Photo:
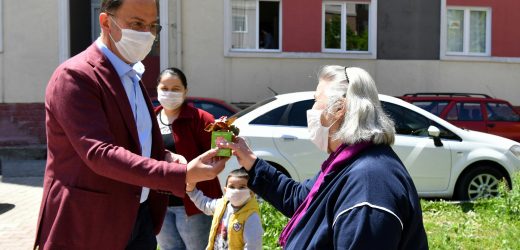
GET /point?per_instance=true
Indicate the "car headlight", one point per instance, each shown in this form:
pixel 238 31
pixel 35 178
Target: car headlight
pixel 515 149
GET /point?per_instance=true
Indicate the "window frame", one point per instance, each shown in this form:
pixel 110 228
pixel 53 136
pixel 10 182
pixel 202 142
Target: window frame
pixel 443 42
pixel 466 29
pixel 344 13
pixel 228 28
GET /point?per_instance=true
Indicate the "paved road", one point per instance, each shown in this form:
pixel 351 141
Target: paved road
pixel 21 197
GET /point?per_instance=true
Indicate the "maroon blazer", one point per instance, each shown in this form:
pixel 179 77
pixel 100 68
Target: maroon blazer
pixel 188 132
pixel 94 171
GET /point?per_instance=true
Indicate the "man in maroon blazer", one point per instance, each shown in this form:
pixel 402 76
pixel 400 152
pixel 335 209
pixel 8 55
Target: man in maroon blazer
pixel 104 146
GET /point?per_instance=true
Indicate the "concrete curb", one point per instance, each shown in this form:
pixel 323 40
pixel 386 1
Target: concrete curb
pixel 32 152
pixel 33 155
pixel 23 168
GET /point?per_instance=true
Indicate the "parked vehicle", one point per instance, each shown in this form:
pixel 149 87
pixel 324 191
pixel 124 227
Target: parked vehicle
pixel 214 106
pixel 443 160
pixel 478 112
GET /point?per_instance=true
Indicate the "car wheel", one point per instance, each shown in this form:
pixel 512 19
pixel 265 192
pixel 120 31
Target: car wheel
pixel 480 182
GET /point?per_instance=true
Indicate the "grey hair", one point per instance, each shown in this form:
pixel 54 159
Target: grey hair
pixel 364 118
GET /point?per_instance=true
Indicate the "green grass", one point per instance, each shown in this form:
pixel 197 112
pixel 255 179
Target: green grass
pixel 483 224
pixel 273 222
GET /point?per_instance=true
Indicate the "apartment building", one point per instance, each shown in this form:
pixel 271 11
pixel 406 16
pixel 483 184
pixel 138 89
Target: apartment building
pixel 237 50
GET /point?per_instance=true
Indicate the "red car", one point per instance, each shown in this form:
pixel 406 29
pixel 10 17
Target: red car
pixel 214 106
pixel 478 112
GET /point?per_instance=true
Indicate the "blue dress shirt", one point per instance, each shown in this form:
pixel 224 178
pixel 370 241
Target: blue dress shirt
pixel 130 76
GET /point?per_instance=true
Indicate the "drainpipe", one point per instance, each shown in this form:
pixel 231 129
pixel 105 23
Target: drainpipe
pixel 2 76
pixel 164 58
pixel 178 33
pixel 63 31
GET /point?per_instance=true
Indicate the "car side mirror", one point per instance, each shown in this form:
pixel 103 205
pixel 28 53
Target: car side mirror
pixel 435 133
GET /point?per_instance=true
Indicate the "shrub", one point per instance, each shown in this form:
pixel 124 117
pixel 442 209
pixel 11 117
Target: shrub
pixel 273 223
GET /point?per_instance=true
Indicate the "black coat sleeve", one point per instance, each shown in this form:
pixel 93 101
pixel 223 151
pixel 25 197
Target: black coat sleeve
pixel 284 193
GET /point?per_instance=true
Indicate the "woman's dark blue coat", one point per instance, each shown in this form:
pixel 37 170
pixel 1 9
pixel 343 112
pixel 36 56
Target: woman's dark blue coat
pixel 370 203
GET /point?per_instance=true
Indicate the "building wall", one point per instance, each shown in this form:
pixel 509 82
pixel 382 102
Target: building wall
pixel 29 56
pixel 408 29
pixel 301 22
pixel 202 48
pixel 497 79
pixel 247 79
pixel 30 52
pixel 407 50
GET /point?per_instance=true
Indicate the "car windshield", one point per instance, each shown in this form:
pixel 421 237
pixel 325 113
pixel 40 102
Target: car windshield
pixel 253 107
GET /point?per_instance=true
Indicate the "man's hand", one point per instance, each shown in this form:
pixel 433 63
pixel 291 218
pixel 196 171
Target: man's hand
pixel 174 158
pixel 205 167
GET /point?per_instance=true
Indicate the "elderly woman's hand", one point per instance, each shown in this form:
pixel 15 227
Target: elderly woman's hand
pixel 246 158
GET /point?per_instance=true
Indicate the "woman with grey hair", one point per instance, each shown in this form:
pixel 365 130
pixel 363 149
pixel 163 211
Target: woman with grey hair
pixel 363 197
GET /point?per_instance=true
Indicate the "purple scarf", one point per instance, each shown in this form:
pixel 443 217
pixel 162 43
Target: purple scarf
pixel 335 161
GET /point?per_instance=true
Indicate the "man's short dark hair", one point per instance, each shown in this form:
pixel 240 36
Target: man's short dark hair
pixel 110 6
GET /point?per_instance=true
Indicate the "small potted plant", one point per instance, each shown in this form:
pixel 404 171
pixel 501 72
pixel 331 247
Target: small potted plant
pixel 222 127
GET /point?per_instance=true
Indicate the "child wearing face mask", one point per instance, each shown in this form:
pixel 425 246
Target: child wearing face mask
pixel 236 216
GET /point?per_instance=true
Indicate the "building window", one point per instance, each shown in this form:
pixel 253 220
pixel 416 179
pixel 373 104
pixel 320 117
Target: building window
pixel 468 31
pixel 346 27
pixel 255 25
pixel 239 24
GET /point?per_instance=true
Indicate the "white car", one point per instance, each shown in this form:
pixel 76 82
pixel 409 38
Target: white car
pixel 443 160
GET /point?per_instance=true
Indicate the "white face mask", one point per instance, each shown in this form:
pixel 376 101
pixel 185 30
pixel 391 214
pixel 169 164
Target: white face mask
pixel 238 197
pixel 170 99
pixel 319 134
pixel 134 45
